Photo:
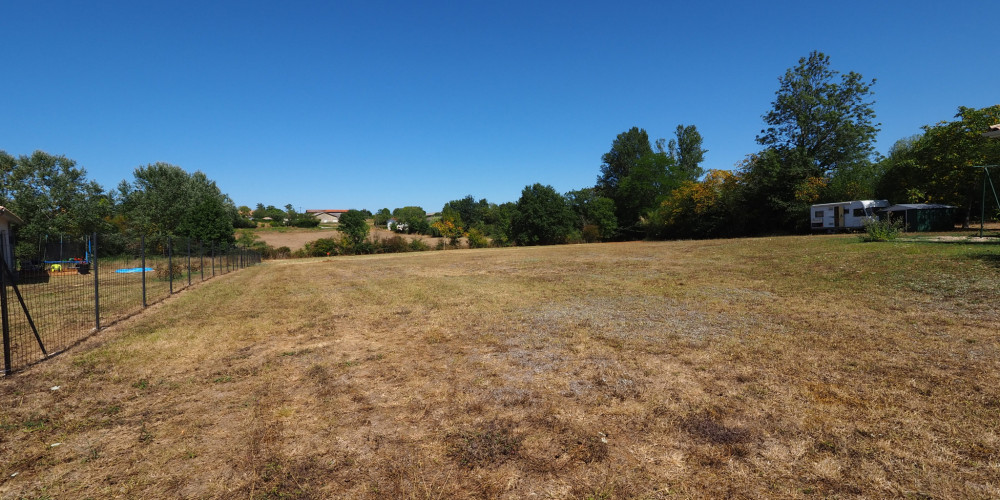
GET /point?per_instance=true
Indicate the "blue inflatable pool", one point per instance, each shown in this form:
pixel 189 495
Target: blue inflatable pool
pixel 134 270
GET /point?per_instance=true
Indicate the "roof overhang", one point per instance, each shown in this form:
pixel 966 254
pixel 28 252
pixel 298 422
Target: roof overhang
pixel 7 214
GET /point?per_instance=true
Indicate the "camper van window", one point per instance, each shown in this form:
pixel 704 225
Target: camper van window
pixel 819 214
pixel 859 212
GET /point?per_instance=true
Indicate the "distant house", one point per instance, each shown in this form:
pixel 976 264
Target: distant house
pixel 395 225
pixel 922 216
pixel 327 216
pixel 6 219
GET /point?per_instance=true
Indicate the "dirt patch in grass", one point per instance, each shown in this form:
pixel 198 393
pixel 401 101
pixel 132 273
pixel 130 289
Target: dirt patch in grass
pixel 773 367
pixel 295 239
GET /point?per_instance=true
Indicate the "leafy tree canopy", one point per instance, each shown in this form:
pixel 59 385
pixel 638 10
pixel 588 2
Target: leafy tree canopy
pixel 687 152
pixel 626 150
pixel 543 217
pixel 470 212
pixel 937 166
pixel 411 220
pixel 593 210
pixel 636 179
pixel 354 226
pixel 166 200
pixel 828 122
pixel 52 196
pixel 381 218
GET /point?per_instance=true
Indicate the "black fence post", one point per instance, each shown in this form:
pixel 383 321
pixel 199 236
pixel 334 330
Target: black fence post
pixel 189 261
pixel 3 313
pixel 213 259
pixel 201 258
pixel 142 252
pixel 170 262
pixel 97 283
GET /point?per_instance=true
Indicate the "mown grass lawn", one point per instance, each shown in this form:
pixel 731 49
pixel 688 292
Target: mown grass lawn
pixel 770 367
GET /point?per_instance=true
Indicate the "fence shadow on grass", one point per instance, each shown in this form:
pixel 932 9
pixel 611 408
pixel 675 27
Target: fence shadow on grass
pixel 991 258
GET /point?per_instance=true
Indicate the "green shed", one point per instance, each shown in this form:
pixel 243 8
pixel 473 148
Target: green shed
pixel 922 216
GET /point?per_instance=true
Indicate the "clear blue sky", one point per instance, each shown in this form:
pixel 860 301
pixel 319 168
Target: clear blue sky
pixel 385 104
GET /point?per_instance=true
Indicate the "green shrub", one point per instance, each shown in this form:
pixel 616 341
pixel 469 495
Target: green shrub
pixel 305 221
pixel 395 244
pixel 886 229
pixel 322 247
pixel 477 239
pixel 418 245
pixel 164 272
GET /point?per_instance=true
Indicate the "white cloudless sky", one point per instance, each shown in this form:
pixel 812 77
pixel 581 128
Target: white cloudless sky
pixel 388 104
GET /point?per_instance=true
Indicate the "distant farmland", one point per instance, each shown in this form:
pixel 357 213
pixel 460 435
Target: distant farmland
pixel 770 367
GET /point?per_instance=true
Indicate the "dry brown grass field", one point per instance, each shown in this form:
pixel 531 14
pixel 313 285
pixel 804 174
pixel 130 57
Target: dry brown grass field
pixel 295 238
pixel 793 367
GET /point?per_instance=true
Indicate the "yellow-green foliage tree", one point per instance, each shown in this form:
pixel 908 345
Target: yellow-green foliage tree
pixel 704 209
pixel 449 228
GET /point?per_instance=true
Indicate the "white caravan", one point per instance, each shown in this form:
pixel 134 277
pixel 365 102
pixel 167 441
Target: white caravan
pixel 845 215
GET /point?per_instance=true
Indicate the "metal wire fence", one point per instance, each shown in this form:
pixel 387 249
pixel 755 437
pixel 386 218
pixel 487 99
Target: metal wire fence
pixel 56 297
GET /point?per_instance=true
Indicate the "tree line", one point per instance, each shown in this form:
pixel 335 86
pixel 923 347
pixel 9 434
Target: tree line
pixel 817 146
pixel 53 197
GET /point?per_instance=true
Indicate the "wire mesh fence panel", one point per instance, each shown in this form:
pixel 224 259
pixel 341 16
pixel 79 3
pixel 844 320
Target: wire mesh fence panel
pixel 159 257
pixel 63 288
pixel 120 270
pixel 55 307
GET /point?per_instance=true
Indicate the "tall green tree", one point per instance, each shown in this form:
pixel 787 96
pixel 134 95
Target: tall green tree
pixel 819 146
pixel 354 226
pixel 210 215
pixel 687 152
pixel 499 220
pixel 381 218
pixel 7 164
pixel 636 178
pixel 626 150
pixel 166 200
pixel 592 209
pixel 470 211
pixel 52 196
pixel 543 217
pixel 411 220
pixel 828 121
pixel 651 179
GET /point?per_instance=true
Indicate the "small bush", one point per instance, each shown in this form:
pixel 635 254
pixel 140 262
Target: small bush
pixel 477 239
pixel 418 245
pixel 322 247
pixel 395 244
pixel 591 233
pixel 165 272
pixel 886 229
pixel 305 221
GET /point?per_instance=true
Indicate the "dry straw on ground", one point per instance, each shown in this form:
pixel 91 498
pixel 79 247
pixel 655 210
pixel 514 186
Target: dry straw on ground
pixel 781 367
